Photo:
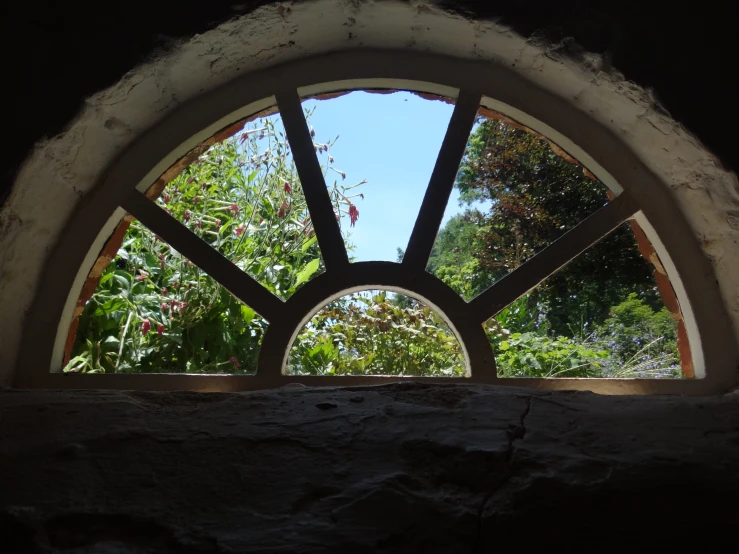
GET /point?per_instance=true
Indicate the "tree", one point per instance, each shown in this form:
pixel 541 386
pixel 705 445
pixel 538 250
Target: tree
pixel 601 315
pixel 534 197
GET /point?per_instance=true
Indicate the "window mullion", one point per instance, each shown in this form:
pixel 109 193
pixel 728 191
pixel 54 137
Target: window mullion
pixel 442 180
pixel 203 255
pixel 314 187
pixel 554 257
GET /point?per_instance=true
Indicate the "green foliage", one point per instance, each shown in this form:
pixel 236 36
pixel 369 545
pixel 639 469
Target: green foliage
pixel 453 257
pixel 375 333
pixel 601 315
pixel 536 355
pixel 642 341
pixel 154 311
pixel 534 196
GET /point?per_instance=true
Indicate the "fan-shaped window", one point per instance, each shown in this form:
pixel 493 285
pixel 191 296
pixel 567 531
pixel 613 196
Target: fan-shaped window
pixel 370 234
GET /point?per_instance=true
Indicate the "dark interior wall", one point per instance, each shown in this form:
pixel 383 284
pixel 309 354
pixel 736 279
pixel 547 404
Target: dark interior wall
pixel 400 468
pixel 58 53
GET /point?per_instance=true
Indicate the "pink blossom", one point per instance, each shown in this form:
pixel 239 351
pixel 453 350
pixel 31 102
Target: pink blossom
pixel 166 197
pixel 240 230
pixel 187 215
pixel 287 188
pixel 142 277
pixel 218 223
pixel 164 306
pixel 234 208
pixel 145 326
pixel 160 329
pixel 283 209
pixel 234 361
pixel 353 214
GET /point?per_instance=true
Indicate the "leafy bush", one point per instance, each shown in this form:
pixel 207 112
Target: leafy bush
pixel 642 341
pixel 154 311
pixel 535 355
pixel 374 333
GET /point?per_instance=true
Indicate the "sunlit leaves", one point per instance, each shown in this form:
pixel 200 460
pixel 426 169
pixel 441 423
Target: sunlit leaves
pixel 377 333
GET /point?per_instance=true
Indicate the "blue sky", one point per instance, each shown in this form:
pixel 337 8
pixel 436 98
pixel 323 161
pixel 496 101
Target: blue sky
pixel 391 140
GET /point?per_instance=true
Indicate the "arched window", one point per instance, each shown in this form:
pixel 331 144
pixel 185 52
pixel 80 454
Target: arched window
pixel 222 264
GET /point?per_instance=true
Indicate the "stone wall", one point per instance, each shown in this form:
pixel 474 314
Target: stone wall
pixel 395 468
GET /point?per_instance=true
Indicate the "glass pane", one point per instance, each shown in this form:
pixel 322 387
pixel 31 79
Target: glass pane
pixel 376 333
pixel 602 315
pixel 390 141
pixel 152 311
pixel 515 194
pixel 243 196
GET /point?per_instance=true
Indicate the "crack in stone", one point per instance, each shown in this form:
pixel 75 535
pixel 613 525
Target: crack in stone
pixel 517 434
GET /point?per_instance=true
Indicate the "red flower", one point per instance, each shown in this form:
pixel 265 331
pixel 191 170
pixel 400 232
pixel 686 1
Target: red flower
pixel 218 223
pixel 142 277
pixel 283 209
pixel 240 230
pixel 164 307
pixel 160 329
pixel 353 214
pixel 145 326
pixel 196 200
pixel 234 208
pixel 234 361
pixel 166 197
pixel 164 291
pixel 287 188
pixel 187 215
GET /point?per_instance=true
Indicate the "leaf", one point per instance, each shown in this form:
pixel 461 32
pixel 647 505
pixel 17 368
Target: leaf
pixel 75 363
pixel 247 313
pixel 307 272
pixel 504 345
pixel 310 242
